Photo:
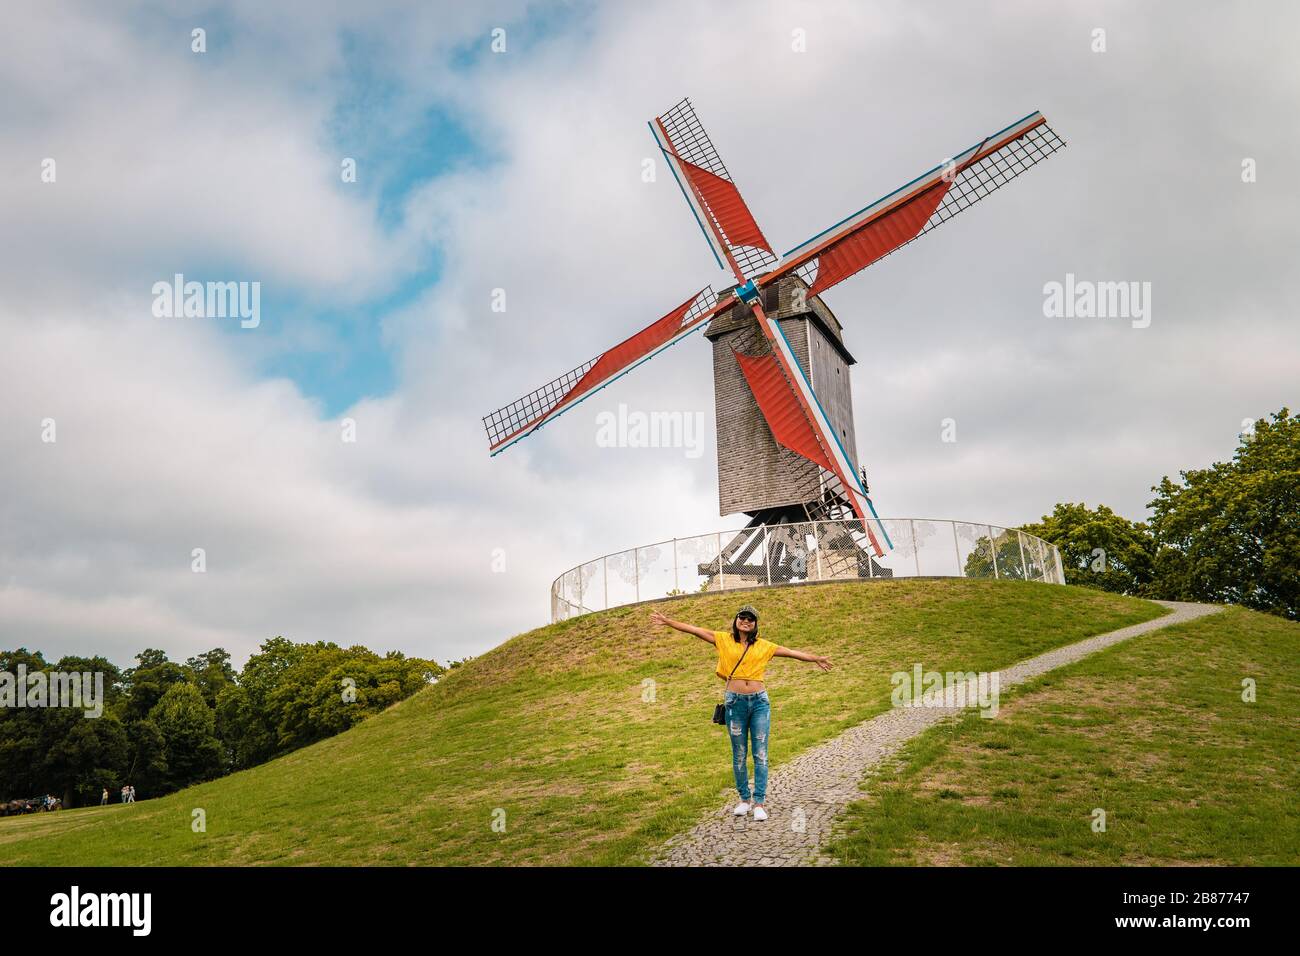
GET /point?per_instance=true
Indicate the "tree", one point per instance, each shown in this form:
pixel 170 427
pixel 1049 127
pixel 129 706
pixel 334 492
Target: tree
pixel 345 687
pixel 329 688
pixel 243 729
pixel 149 680
pixel 1099 548
pixel 167 725
pixel 212 673
pixel 1231 532
pixel 188 728
pixel 999 557
pixel 290 695
pixel 245 715
pixel 21 733
pixel 84 755
pixel 58 749
pixel 146 768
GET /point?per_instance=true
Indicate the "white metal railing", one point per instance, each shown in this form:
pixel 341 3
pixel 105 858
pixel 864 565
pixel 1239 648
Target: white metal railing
pixel 797 553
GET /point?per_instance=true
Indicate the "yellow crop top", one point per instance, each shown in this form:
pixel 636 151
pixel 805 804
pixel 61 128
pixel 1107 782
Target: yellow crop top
pixel 730 650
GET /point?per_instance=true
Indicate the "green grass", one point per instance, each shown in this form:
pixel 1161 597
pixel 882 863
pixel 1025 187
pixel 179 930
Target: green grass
pixel 1153 731
pixel 551 728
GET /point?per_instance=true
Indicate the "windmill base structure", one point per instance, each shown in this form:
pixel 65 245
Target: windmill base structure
pixel 761 478
pixel 755 473
pixel 787 447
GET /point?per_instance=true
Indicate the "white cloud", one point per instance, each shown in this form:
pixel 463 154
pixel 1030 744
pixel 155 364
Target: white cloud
pixel 168 441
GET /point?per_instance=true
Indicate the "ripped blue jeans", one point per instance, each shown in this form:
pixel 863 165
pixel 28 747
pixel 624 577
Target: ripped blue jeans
pixel 749 718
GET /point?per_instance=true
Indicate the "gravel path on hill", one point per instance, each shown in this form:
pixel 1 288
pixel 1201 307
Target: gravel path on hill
pixel 806 794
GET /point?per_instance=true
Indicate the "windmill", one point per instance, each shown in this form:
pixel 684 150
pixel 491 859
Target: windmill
pixel 786 443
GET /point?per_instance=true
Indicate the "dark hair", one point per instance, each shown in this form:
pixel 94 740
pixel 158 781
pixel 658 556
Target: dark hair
pixel 735 632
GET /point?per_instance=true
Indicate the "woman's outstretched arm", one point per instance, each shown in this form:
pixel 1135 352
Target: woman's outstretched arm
pixel 823 662
pixel 702 633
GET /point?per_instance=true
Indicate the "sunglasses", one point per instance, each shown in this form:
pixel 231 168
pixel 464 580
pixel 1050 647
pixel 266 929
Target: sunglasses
pixel 746 617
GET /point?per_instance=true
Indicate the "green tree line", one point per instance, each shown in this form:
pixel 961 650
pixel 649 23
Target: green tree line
pixel 1228 534
pixel 166 725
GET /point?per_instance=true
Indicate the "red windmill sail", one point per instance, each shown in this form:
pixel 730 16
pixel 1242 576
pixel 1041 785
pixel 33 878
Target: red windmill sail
pixel 631 349
pixel 925 203
pixel 723 201
pixel 734 236
pixel 785 416
pixel 525 415
pixel 876 239
pixel 722 214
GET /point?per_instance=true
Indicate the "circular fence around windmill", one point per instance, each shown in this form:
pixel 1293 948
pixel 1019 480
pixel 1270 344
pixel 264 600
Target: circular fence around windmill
pixel 797 553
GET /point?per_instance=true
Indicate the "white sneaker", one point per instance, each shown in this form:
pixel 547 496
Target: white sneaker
pixel 741 809
pixel 760 813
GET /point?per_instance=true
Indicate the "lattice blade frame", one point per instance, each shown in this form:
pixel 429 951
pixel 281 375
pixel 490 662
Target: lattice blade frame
pixel 687 140
pixel 525 415
pixel 982 170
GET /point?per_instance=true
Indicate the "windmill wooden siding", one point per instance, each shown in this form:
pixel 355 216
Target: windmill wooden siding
pixel 754 472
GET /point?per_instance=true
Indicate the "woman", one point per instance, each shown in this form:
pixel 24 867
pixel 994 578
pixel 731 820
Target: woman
pixel 742 658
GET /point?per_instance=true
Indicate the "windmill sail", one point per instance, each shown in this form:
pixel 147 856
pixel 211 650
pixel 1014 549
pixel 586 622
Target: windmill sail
pixel 926 202
pixel 733 235
pixel 785 416
pixel 724 218
pixel 842 478
pixel 525 415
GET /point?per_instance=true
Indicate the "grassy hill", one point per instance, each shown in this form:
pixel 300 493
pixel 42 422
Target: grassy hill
pixel 1153 731
pixel 589 739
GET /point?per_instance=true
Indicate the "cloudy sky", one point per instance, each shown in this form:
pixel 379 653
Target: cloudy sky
pixel 522 171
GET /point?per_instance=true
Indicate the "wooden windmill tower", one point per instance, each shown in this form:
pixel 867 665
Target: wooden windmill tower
pixel 787 450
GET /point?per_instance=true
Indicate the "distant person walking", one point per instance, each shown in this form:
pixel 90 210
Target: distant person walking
pixel 742 660
pixel 103 799
pixel 130 793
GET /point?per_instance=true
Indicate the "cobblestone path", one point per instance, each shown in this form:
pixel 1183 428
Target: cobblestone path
pixel 814 787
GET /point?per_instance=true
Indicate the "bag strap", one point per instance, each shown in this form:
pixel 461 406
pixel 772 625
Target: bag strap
pixel 733 670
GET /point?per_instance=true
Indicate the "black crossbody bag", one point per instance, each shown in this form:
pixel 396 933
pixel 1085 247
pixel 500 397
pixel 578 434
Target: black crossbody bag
pixel 720 710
